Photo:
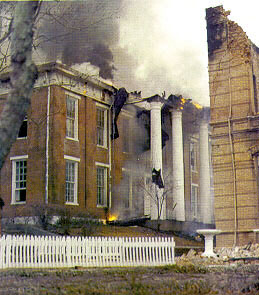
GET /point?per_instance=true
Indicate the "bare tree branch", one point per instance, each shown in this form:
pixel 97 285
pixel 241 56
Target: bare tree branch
pixel 22 77
pixel 8 33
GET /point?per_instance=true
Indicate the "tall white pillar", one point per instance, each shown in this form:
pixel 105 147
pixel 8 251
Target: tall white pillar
pixel 178 165
pixel 156 155
pixel 205 190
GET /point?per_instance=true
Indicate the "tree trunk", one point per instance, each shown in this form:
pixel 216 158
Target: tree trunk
pixel 23 76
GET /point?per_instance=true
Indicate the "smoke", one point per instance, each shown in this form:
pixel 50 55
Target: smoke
pixel 163 48
pixel 79 31
pixel 138 45
pixel 141 46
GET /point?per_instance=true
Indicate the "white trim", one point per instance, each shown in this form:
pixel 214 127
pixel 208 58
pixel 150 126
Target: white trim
pixel 47 145
pixel 75 161
pixel 75 138
pixel 71 158
pixel 194 143
pixel 194 215
pixel 71 138
pixel 85 95
pixel 110 155
pixel 100 105
pixel 72 94
pixel 19 157
pixel 72 204
pixel 14 160
pixel 105 127
pixel 127 114
pixel 102 164
pixel 105 184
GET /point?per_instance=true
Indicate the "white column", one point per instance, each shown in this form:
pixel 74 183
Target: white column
pixel 205 190
pixel 178 166
pixel 156 153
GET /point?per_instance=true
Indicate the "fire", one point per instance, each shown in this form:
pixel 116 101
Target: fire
pixel 198 106
pixel 112 217
pixel 183 100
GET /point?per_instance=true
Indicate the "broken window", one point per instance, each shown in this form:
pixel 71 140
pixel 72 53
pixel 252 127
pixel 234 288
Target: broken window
pixel 101 181
pixel 19 180
pixel 23 129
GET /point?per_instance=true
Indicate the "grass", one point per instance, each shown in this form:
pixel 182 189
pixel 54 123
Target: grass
pixel 133 286
pixel 180 279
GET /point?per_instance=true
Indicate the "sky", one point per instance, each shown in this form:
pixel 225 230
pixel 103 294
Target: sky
pixel 163 44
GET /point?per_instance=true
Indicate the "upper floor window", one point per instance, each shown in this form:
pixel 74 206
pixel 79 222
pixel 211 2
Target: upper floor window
pixel 71 180
pixel 101 123
pixel 19 179
pixel 23 129
pixel 193 156
pixel 71 117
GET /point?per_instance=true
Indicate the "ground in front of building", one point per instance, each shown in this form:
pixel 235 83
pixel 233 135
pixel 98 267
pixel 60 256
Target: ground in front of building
pixel 180 279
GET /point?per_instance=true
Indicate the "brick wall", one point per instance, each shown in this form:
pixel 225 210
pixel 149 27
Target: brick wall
pixel 233 103
pixel 34 147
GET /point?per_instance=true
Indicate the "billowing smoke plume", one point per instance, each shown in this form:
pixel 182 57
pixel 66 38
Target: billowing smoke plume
pixel 163 48
pixel 80 31
pixel 140 45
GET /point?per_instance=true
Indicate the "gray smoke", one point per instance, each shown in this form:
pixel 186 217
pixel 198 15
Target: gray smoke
pixel 80 31
pixel 152 46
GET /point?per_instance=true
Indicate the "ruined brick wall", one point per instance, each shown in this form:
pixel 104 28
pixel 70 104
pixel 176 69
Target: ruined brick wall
pixel 233 78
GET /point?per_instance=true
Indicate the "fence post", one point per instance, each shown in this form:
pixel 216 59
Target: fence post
pixel 2 251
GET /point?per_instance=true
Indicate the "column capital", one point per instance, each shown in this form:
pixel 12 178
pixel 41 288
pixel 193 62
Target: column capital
pixel 176 113
pixel 156 105
pixel 156 102
pixel 205 114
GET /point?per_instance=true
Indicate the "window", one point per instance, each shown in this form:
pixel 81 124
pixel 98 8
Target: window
pixel 71 180
pixel 101 122
pixel 193 156
pixel 103 95
pixel 71 117
pixel 194 201
pixel 23 129
pixel 101 186
pixel 19 179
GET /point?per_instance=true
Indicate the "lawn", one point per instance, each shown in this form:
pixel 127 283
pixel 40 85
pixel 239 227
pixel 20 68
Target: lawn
pixel 176 279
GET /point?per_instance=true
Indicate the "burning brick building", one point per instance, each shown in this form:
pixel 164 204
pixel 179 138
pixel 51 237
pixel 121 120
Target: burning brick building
pixel 90 147
pixel 234 86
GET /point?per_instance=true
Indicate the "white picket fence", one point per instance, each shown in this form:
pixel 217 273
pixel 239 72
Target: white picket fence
pixel 55 251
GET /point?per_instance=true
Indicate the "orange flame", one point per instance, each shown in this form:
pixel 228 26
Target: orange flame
pixel 112 217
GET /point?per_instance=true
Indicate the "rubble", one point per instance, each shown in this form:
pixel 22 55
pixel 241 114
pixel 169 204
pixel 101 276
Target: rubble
pixel 224 256
pixel 251 250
